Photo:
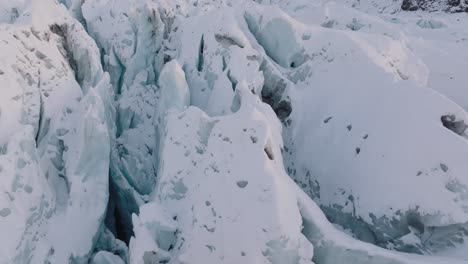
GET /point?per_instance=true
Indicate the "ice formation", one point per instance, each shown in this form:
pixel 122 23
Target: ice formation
pixel 222 131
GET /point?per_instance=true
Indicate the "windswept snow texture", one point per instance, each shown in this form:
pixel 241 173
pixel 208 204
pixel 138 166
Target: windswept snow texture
pixel 234 131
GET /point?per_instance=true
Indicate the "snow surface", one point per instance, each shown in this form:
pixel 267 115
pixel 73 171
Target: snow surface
pixel 267 131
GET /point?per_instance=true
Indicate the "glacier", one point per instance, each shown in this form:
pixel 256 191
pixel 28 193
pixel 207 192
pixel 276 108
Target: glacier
pixel 222 131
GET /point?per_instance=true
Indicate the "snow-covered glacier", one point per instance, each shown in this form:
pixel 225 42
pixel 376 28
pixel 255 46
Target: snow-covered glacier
pixel 234 131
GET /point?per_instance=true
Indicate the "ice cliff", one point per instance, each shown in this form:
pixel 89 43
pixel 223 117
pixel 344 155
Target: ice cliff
pixel 222 131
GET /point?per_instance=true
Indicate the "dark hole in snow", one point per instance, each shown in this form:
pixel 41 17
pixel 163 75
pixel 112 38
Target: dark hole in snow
pixel 349 127
pixel 167 58
pixel 443 167
pixel 200 54
pixel 365 136
pixel 283 110
pixel 254 139
pixel 450 122
pixel 211 248
pixel 419 173
pixel 327 120
pixel 40 55
pixel 243 254
pixel 358 150
pixel 1 72
pixel 58 30
pixel 242 184
pixel 232 80
pixel 227 41
pixel 211 230
pixel 224 63
pixel 269 152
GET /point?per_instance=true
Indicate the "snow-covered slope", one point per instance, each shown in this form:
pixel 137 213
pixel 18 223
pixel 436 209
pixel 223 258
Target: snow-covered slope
pixel 392 164
pixel 55 124
pixel 269 131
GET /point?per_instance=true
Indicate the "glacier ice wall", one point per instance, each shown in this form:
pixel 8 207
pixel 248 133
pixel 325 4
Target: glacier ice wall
pixel 56 122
